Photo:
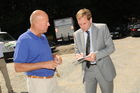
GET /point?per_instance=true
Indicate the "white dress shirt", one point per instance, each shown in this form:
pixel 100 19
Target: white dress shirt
pixel 91 43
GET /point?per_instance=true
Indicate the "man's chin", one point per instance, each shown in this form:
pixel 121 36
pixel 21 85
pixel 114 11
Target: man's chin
pixel 45 31
pixel 84 30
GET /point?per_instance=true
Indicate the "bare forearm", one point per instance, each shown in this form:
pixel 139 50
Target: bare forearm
pixel 25 67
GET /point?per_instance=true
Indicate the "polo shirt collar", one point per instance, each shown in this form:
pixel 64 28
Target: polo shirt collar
pixel 33 35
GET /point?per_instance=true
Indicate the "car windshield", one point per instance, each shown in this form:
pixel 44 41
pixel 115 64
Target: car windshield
pixel 6 37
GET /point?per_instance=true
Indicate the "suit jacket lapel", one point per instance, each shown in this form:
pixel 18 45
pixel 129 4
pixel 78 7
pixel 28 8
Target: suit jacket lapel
pixel 94 36
pixel 83 41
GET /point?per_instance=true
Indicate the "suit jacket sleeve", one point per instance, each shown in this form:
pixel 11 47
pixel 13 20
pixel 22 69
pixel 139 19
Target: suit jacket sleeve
pixel 109 46
pixel 76 43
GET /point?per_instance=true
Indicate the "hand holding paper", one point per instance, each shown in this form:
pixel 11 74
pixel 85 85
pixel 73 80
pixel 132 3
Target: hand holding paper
pixel 91 57
pixel 79 56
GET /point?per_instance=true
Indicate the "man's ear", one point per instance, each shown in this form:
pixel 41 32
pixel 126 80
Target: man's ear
pixel 90 20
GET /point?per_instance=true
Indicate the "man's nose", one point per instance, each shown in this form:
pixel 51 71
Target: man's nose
pixel 48 24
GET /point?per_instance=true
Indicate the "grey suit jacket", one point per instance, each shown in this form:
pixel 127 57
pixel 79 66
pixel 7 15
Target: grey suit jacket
pixel 103 46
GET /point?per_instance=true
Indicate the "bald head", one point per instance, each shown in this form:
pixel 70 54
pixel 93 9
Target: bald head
pixel 39 22
pixel 37 15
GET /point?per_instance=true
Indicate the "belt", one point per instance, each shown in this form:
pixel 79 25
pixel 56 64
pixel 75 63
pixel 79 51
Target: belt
pixel 1 57
pixel 40 77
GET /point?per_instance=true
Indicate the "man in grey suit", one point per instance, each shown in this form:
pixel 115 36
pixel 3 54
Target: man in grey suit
pixel 97 64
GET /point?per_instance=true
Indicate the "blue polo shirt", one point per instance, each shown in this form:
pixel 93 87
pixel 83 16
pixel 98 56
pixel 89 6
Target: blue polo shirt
pixel 33 49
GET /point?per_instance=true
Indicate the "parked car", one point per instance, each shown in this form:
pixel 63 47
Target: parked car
pixel 118 31
pixel 52 45
pixel 135 29
pixel 9 45
pixel 115 32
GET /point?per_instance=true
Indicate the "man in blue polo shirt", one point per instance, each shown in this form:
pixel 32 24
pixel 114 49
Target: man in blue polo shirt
pixel 33 55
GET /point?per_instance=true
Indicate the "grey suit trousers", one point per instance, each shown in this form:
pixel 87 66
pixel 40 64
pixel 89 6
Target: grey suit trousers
pixel 0 90
pixel 93 77
pixel 4 71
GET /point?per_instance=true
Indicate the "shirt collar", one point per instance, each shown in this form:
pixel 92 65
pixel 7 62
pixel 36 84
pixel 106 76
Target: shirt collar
pixel 89 29
pixel 34 36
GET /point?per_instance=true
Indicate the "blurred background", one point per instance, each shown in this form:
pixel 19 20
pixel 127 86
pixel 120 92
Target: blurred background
pixel 118 14
pixel 121 16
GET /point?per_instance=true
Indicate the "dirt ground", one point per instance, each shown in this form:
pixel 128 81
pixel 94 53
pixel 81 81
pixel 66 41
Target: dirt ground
pixel 126 59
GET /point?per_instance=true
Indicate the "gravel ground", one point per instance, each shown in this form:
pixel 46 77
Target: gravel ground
pixel 125 58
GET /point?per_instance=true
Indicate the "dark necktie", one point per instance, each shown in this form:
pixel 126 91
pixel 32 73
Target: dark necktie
pixel 88 48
